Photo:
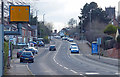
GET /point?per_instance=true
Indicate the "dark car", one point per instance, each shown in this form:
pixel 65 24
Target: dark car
pixel 41 43
pixel 27 56
pixel 52 48
pixel 19 53
pixel 30 49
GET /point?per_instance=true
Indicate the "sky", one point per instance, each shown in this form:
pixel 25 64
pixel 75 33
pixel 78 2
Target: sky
pixel 59 12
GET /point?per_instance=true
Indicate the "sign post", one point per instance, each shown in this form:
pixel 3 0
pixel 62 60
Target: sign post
pixel 99 43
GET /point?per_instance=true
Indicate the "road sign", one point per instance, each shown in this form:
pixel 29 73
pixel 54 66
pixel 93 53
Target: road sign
pixel 19 13
pixel 99 41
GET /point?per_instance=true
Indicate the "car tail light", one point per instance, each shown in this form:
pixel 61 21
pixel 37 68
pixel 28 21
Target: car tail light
pixel 21 56
pixel 31 56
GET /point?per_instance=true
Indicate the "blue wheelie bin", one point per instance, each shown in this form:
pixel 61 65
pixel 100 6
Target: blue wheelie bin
pixel 94 48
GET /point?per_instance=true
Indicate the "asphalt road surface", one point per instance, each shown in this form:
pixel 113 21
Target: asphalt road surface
pixel 62 62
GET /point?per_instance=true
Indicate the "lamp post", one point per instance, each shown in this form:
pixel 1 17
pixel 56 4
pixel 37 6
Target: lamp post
pixel 2 40
pixel 43 18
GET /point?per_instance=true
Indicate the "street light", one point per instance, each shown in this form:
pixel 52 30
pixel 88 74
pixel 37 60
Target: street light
pixel 43 18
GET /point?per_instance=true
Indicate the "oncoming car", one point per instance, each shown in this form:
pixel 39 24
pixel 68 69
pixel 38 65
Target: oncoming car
pixel 74 49
pixel 72 44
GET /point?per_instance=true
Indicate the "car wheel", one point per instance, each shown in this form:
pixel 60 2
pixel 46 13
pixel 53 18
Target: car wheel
pixel 17 56
pixel 21 60
pixel 32 61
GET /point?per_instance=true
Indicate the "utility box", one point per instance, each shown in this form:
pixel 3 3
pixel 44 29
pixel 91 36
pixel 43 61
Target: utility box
pixel 94 48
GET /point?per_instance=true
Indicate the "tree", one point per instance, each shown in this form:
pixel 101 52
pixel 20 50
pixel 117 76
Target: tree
pixel 110 29
pixel 71 22
pixel 96 14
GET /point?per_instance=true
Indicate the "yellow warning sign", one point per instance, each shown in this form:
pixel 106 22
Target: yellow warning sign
pixel 19 13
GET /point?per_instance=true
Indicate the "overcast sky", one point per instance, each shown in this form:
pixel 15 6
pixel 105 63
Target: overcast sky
pixel 59 12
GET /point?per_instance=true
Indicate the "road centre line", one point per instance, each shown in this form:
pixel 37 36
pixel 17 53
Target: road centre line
pixel 73 71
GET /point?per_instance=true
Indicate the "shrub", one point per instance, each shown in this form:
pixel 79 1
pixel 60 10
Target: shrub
pixel 110 29
pixel 46 40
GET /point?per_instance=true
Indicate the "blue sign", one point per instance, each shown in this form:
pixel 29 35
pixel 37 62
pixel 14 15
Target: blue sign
pixel 99 41
pixel 94 48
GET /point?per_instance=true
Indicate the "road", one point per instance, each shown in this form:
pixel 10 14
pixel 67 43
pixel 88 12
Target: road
pixel 62 62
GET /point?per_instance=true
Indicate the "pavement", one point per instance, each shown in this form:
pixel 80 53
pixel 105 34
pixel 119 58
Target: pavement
pixel 17 68
pixel 86 51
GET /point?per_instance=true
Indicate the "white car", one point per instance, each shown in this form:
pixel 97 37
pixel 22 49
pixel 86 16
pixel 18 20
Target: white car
pixel 74 49
pixel 36 51
pixel 72 44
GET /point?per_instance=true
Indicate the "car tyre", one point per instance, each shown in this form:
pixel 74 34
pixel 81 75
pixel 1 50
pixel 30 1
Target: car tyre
pixel 21 60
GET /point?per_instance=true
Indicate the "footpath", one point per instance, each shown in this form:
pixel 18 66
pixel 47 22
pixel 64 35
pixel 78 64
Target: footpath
pixel 85 50
pixel 17 68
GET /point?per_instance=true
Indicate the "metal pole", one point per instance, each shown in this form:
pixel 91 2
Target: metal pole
pixel 99 51
pixel 43 19
pixel 90 19
pixel 2 34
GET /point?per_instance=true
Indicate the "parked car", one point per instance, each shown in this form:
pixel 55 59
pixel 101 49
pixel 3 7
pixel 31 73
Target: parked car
pixel 30 49
pixel 72 44
pixel 36 51
pixel 27 56
pixel 52 48
pixel 41 43
pixel 19 53
pixel 74 49
pixel 21 44
pixel 35 44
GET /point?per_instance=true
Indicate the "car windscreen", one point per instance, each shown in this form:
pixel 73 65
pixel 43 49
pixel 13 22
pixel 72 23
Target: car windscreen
pixel 26 53
pixel 52 46
pixel 74 48
pixel 28 49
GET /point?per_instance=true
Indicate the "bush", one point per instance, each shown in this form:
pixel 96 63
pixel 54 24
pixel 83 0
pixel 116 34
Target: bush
pixel 110 29
pixel 46 40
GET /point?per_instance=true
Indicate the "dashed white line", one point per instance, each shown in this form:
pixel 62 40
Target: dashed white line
pixel 65 68
pixel 81 74
pixel 118 73
pixel 60 65
pixel 91 73
pixel 73 71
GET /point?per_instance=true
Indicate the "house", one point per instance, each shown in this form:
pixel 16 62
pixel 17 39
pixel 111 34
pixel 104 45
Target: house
pixel 117 33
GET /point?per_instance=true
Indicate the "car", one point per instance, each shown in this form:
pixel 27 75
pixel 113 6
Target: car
pixel 74 49
pixel 30 49
pixel 19 53
pixel 64 38
pixel 70 40
pixel 27 56
pixel 52 48
pixel 41 43
pixel 36 51
pixel 72 44
pixel 21 44
pixel 35 44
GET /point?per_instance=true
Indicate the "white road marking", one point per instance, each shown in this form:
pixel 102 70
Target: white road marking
pixel 29 69
pixel 60 65
pixel 92 73
pixel 118 73
pixel 65 68
pixel 81 74
pixel 73 71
